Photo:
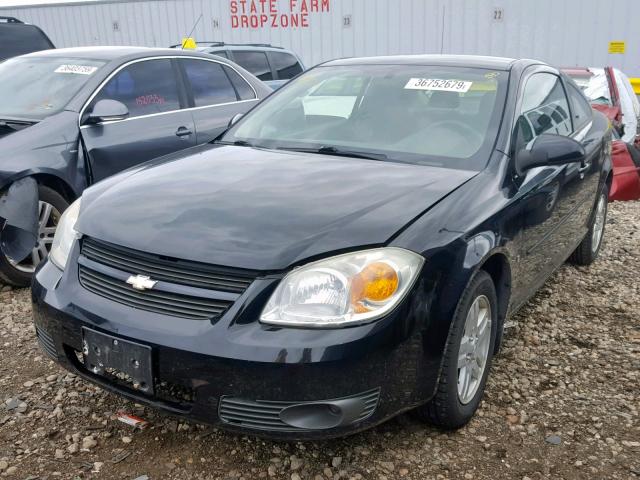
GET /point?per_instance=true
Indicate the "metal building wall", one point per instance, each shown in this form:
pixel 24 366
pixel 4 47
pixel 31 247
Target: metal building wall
pixel 558 31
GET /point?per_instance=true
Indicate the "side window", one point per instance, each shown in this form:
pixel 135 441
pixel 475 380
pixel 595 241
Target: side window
pixel 209 84
pixel 245 91
pixel 286 65
pixel 255 62
pixel 144 87
pixel 544 109
pixel 220 53
pixel 580 107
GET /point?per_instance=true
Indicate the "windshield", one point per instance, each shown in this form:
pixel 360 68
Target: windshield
pixel 41 86
pixel 443 116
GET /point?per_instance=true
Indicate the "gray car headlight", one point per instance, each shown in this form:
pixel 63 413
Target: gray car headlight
pixel 345 290
pixel 65 236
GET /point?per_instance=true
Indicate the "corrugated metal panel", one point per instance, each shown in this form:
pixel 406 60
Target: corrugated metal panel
pixel 570 32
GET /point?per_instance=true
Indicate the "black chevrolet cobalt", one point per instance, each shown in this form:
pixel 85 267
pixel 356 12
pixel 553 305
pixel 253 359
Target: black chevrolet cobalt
pixel 348 250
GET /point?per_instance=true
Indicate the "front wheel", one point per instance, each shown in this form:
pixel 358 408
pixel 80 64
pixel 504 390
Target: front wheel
pixel 50 208
pixel 467 357
pixel 589 248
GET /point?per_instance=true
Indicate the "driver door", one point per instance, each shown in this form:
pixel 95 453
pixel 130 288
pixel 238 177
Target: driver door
pixel 549 195
pixel 157 125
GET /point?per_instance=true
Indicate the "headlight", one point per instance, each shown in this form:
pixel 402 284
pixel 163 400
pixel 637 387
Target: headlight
pixel 65 235
pixel 345 290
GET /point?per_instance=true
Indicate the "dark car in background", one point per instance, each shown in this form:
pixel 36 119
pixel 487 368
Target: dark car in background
pixel 348 250
pixel 275 66
pixel 77 116
pixel 19 38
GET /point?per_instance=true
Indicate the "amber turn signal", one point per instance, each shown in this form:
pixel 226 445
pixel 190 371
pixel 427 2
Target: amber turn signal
pixel 377 282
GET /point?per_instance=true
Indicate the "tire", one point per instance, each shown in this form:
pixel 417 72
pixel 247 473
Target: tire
pixel 589 248
pixel 20 275
pixel 449 408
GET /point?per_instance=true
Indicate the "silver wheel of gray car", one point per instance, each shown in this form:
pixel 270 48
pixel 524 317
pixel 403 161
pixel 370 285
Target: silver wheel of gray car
pixel 47 223
pixel 474 348
pixel 598 224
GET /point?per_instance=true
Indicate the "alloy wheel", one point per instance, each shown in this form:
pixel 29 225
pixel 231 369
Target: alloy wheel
pixel 474 349
pixel 598 224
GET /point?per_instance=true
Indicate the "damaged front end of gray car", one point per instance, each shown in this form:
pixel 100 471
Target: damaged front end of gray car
pixel 27 228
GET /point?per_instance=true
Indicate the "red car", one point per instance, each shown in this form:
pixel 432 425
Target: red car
pixel 610 92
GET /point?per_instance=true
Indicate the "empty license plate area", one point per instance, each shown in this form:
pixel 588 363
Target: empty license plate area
pixel 108 356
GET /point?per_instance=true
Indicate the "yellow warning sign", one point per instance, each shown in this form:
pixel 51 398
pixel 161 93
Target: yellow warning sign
pixel 617 47
pixel 189 44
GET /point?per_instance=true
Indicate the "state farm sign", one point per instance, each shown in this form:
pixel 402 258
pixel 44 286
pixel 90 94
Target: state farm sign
pixel 270 14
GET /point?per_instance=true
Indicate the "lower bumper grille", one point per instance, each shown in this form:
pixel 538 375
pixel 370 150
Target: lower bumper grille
pixel 166 303
pixel 46 343
pixel 266 415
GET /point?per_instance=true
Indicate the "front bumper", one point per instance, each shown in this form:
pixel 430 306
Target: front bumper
pixel 244 376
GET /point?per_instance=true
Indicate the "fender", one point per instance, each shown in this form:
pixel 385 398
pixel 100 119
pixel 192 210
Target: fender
pixel 19 217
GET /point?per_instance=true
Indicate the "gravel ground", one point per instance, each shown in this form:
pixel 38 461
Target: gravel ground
pixel 561 402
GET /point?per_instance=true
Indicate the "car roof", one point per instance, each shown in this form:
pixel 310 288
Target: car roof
pixel 477 61
pixel 114 53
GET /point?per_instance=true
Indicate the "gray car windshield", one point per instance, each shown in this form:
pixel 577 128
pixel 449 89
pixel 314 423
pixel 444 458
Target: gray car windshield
pixel 435 115
pixel 41 86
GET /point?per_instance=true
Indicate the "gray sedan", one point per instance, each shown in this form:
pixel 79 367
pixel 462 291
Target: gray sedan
pixel 72 117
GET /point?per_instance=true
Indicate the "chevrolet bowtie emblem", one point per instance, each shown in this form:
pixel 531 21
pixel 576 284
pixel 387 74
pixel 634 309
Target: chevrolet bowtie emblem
pixel 141 282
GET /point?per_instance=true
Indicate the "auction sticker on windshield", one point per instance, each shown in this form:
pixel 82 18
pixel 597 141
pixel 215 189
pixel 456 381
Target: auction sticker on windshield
pixel 441 85
pixel 77 69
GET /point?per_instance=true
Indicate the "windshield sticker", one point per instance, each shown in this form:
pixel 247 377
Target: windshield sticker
pixel 76 69
pixel 437 84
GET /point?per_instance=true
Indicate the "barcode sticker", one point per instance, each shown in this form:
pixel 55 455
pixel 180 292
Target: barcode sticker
pixel 76 69
pixel 437 84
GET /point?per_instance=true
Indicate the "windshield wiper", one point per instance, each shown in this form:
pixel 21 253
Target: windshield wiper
pixel 15 124
pixel 338 152
pixel 237 143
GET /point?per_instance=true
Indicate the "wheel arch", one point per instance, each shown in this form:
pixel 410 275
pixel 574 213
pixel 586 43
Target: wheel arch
pixel 498 267
pixel 56 183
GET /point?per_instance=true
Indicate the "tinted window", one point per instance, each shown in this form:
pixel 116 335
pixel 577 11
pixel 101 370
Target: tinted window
pixel 255 62
pixel 145 87
pixel 220 53
pixel 580 107
pixel 42 86
pixel 245 92
pixel 20 39
pixel 286 65
pixel 544 109
pixel 209 84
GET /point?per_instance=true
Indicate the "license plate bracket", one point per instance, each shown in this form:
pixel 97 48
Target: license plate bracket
pixel 105 354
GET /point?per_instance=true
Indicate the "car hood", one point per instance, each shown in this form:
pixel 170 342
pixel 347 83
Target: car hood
pixel 260 209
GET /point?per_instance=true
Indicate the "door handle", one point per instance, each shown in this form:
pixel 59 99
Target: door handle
pixel 183 132
pixel 582 170
pixel 584 167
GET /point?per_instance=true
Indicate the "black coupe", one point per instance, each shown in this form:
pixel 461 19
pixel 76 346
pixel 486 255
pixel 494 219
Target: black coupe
pixel 348 250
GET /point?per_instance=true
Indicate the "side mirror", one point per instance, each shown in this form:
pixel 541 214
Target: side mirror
pixel 107 111
pixel 549 149
pixel 235 119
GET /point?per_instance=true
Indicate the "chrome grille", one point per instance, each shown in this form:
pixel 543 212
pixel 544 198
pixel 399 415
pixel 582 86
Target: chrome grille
pixel 46 343
pixel 166 303
pixel 193 274
pixel 265 415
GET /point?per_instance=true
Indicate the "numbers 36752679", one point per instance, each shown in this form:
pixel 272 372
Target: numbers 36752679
pixel 439 84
